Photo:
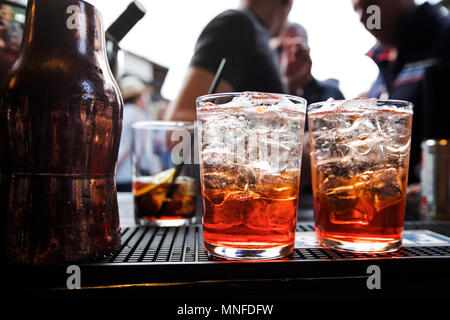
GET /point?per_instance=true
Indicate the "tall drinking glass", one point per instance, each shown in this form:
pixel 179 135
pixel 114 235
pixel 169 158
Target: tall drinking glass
pixel 250 155
pixel 359 160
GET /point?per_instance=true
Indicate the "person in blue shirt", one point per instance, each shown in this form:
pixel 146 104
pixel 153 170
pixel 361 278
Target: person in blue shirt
pixel 411 39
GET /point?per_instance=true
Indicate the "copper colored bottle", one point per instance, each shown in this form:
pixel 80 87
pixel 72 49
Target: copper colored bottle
pixel 60 125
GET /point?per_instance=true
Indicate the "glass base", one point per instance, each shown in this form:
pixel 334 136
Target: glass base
pixel 163 223
pixel 248 254
pixel 360 246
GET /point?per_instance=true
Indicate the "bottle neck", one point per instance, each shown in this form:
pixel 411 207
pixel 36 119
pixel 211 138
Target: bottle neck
pixel 63 30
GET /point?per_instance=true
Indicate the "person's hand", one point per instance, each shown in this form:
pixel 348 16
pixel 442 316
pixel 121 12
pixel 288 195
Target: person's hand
pixel 295 63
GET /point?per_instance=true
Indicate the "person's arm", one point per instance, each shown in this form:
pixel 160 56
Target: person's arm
pixel 230 35
pixel 197 83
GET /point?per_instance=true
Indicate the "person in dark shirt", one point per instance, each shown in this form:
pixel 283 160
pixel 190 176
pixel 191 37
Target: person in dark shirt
pixel 295 63
pixel 411 39
pixel 242 37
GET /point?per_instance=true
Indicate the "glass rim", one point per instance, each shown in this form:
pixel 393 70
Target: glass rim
pixel 162 125
pixel 205 97
pixel 403 104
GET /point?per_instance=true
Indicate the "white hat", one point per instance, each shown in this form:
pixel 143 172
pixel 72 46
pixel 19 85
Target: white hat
pixel 131 86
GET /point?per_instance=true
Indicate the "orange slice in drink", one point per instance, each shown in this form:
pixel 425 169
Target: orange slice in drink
pixel 155 181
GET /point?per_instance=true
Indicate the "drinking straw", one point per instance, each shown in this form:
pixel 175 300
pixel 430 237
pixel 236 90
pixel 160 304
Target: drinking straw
pixel 217 77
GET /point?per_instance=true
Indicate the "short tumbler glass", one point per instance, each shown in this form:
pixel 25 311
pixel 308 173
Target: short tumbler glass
pixel 163 173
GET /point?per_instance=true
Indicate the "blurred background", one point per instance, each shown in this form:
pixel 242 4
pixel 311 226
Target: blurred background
pixel 168 32
pixel 159 48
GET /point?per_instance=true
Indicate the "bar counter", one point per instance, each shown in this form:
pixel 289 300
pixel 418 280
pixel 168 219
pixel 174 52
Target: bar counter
pixel 169 264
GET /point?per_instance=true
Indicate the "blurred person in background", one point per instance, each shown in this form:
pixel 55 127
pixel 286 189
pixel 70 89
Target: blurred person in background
pixel 411 38
pixel 242 37
pixel 136 98
pixel 295 65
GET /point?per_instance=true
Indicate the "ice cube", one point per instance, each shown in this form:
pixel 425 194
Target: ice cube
pixel 261 165
pixel 213 136
pixel 217 209
pixel 348 206
pixel 242 176
pixel 334 167
pixel 365 125
pixel 276 186
pixel 263 214
pixel 358 104
pixel 325 147
pixel 345 201
pixel 340 195
pixel 216 156
pixel 351 216
pixel 274 201
pixel 217 181
pixel 227 180
pixel 322 123
pixel 259 102
pixel 357 125
pixel 368 156
pixel 385 188
pixel 363 146
pixel 245 177
pixel 398 139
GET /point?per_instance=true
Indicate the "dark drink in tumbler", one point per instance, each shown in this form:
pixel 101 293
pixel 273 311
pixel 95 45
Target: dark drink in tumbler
pixel 153 202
